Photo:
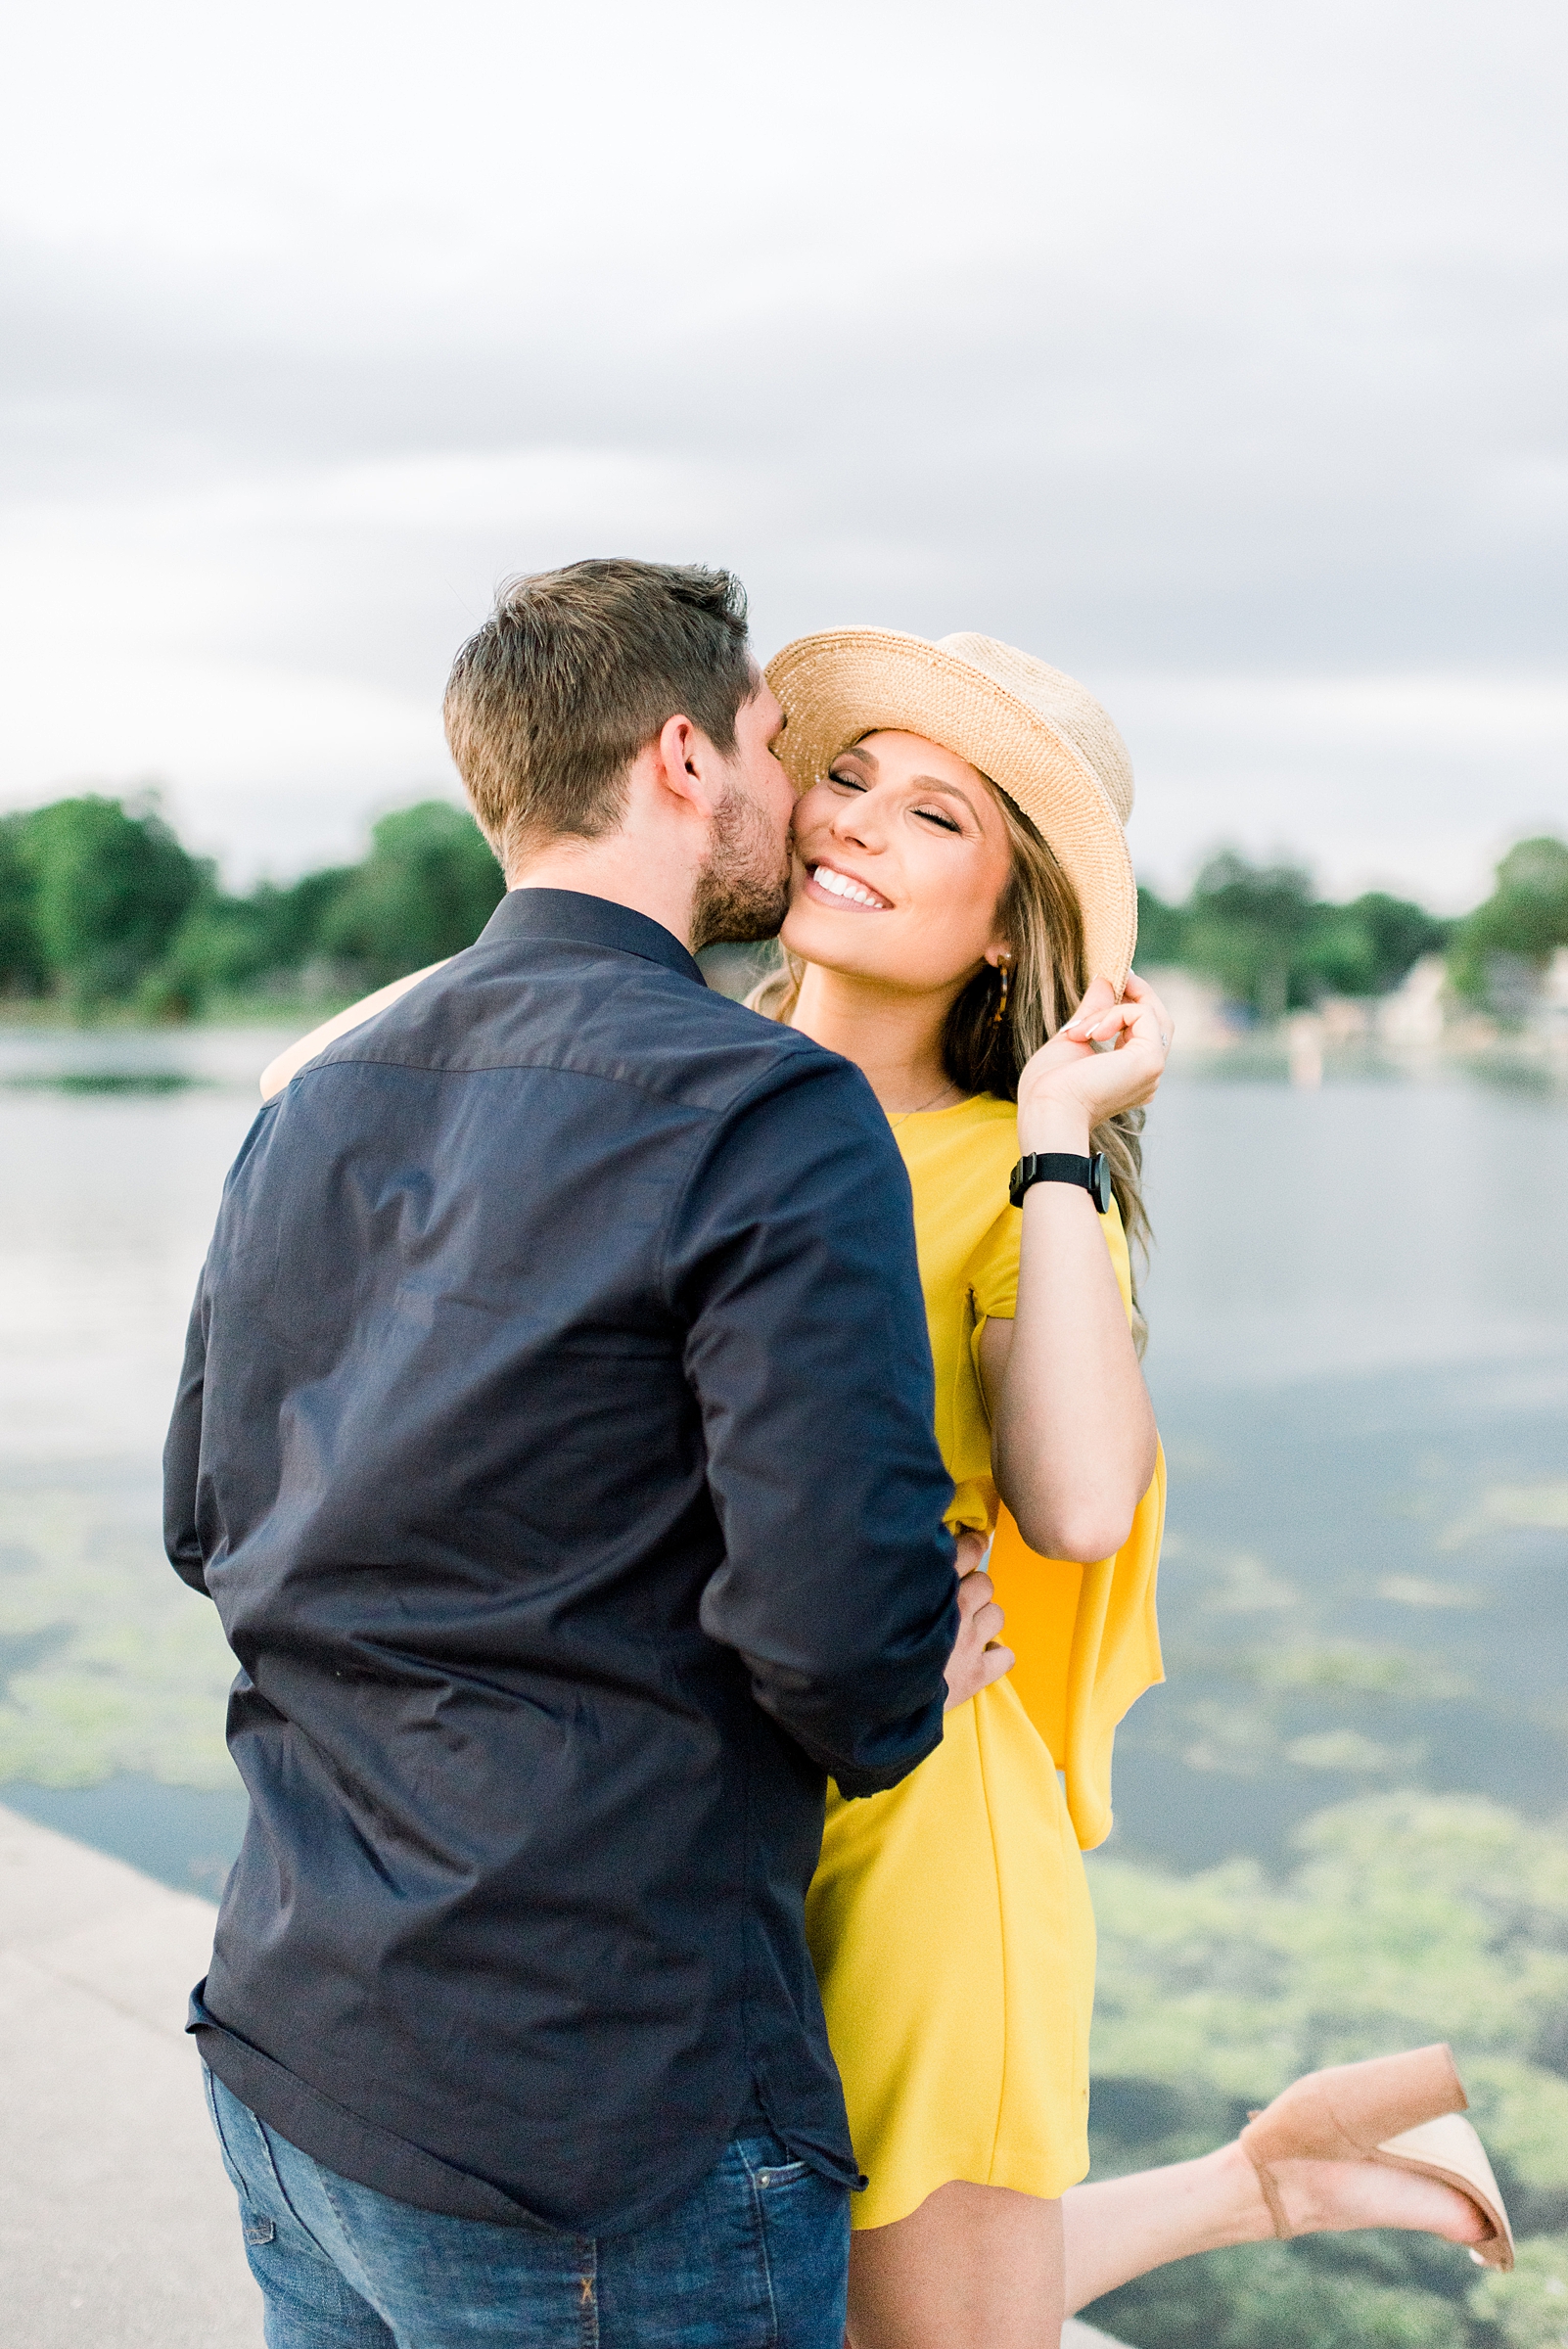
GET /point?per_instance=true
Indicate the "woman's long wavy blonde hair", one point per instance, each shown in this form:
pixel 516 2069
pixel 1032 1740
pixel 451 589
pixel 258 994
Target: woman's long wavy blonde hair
pixel 1038 914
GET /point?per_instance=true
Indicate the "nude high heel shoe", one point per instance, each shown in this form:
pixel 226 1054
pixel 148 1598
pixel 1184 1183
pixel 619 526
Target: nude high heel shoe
pixel 1402 2110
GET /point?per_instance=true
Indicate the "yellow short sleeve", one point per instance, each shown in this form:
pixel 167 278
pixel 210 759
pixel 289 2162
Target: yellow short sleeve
pixel 993 1269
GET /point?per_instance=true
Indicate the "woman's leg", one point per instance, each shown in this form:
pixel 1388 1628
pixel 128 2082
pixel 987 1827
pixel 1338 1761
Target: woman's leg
pixel 1123 2227
pixel 976 2266
pixel 979 2266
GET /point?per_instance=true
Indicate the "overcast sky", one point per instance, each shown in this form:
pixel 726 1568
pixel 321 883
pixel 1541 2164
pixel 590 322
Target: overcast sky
pixel 1218 353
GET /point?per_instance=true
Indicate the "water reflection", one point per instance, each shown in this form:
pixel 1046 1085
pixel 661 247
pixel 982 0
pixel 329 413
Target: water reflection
pixel 1360 1315
pixel 112 1151
pixel 1360 1351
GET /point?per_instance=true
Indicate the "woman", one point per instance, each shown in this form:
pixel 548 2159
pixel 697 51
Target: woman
pixel 962 878
pixel 961 925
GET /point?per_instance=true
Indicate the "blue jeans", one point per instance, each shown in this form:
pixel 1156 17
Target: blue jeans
pixel 756 2258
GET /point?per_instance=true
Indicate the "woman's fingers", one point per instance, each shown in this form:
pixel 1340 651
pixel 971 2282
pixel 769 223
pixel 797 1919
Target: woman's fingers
pixel 1141 994
pixel 1109 1056
pixel 975 1595
pixel 978 1657
pixel 1101 1019
pixel 1109 1026
pixel 1099 997
pixel 972 1548
pixel 987 1625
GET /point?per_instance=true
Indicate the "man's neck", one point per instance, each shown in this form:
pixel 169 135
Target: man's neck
pixel 626 869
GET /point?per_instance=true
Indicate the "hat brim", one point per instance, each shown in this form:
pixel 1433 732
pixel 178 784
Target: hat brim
pixel 847 682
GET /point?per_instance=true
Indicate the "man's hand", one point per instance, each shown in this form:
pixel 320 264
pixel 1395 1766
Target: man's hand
pixel 977 1658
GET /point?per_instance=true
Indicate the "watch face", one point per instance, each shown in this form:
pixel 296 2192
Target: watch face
pixel 1100 1181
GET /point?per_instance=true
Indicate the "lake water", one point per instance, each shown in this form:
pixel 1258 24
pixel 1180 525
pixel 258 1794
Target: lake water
pixel 1359 1353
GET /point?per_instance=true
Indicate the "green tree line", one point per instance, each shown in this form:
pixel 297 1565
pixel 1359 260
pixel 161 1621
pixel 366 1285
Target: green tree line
pixel 1272 946
pixel 101 905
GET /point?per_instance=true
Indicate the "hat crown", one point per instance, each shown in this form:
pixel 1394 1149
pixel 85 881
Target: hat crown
pixel 1061 701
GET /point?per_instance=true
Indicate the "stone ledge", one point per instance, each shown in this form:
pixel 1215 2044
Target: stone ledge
pixel 117 2219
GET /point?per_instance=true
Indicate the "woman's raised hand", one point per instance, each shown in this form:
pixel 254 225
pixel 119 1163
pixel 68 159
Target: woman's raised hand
pixel 1109 1056
pixel 977 1656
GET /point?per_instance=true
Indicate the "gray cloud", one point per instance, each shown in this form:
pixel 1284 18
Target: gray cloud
pixel 1222 361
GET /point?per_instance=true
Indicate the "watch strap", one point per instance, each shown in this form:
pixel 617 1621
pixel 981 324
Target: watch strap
pixel 1090 1175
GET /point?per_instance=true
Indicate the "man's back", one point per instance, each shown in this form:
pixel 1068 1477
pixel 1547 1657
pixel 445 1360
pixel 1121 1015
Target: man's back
pixel 565 1481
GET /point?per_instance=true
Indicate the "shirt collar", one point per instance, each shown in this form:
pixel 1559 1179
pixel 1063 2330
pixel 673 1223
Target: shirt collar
pixel 581 920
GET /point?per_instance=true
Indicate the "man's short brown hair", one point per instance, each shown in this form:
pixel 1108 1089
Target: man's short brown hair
pixel 574 674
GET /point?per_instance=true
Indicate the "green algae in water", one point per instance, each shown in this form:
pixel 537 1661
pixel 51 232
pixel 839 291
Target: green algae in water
pixel 108 1663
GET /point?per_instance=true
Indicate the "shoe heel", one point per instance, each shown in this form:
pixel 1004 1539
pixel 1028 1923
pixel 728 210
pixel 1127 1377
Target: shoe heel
pixel 1450 2150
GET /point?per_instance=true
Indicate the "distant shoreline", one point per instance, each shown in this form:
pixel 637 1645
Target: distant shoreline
pixel 34 1016
pixel 1279 1055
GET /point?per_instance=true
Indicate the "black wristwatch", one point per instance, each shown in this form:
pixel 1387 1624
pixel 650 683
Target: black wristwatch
pixel 1091 1175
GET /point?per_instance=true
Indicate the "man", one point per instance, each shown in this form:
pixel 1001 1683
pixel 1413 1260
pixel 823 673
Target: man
pixel 555 1438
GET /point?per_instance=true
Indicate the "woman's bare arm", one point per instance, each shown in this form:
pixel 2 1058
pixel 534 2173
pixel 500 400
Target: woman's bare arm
pixel 277 1073
pixel 1072 1434
pixel 1072 1430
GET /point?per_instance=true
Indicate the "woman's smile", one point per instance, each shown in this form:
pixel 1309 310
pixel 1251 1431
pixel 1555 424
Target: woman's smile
pixel 833 884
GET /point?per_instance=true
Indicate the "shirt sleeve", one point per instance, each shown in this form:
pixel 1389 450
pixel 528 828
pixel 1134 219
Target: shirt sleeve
pixel 792 1261
pixel 182 1453
pixel 992 1270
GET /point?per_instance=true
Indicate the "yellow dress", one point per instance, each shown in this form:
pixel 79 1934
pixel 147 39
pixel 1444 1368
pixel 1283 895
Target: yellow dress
pixel 949 1918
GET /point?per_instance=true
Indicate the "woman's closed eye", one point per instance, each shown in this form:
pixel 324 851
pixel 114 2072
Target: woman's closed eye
pixel 857 783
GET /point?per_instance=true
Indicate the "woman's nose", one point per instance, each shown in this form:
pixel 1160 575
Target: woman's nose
pixel 858 822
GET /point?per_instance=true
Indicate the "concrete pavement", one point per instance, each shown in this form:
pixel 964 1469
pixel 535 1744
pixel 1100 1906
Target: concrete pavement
pixel 118 2225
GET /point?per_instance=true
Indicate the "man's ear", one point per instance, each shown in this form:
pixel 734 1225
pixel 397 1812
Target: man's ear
pixel 686 762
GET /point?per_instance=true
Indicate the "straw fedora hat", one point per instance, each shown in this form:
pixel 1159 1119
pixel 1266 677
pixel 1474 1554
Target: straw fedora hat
pixel 1035 733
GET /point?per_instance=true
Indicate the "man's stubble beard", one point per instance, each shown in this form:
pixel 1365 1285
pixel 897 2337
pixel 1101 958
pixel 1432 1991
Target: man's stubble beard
pixel 743 891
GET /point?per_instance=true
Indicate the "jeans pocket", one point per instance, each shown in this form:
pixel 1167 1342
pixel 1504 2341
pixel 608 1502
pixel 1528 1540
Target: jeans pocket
pixel 255 2225
pixel 805 2223
pixel 769 2161
pixel 216 2118
pixel 775 2174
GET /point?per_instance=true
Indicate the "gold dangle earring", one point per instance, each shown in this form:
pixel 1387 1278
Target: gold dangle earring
pixel 1004 966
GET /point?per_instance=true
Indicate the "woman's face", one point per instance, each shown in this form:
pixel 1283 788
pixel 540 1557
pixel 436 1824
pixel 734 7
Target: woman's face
pixel 900 857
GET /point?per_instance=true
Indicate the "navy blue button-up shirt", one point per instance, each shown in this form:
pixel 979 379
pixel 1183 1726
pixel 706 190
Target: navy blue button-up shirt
pixel 555 1438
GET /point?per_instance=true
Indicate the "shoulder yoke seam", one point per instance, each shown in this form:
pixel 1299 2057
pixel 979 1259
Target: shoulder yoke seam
pixel 558 1068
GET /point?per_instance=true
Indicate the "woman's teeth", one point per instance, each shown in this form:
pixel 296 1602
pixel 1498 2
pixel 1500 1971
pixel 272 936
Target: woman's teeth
pixel 839 884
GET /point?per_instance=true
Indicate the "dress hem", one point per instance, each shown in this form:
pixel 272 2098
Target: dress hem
pixel 1018 2177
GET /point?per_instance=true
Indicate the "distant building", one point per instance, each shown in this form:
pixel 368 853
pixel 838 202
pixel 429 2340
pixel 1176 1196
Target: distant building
pixel 1412 1018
